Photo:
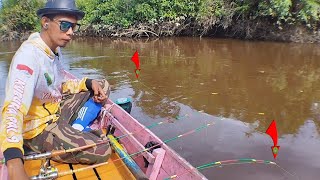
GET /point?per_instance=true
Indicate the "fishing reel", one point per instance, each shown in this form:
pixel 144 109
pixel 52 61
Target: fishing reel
pixel 47 171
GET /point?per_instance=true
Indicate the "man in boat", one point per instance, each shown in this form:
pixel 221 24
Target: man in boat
pixel 41 97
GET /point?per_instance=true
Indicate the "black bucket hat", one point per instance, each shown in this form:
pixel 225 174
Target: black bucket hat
pixel 61 7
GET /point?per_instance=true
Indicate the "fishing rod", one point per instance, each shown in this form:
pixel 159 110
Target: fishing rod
pixel 228 163
pixel 54 173
pixel 224 163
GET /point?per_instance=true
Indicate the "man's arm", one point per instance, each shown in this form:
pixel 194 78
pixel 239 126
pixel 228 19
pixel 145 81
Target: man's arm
pixel 19 93
pixel 16 170
pixel 73 85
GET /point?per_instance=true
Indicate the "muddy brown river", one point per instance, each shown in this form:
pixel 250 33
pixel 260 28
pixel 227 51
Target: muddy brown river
pixel 239 86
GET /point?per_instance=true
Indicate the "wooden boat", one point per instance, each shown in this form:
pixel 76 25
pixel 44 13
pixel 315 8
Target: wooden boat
pixel 128 137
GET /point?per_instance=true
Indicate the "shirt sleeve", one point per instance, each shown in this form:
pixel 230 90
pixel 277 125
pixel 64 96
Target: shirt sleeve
pixel 74 86
pixel 19 93
pixel 71 84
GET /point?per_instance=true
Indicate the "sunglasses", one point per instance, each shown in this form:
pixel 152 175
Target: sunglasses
pixel 66 25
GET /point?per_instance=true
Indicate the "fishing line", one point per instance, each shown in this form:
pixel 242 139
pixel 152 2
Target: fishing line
pixel 286 171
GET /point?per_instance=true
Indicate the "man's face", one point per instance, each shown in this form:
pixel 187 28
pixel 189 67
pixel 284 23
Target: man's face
pixel 58 29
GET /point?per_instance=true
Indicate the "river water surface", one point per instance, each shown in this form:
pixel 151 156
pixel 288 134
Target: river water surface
pixel 240 86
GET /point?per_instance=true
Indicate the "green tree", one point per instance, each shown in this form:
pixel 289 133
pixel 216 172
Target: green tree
pixel 19 15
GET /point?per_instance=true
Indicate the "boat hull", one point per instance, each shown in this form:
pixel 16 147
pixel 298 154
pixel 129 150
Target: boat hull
pixel 171 162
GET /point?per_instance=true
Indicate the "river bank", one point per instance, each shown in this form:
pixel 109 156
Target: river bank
pixel 248 30
pixel 261 31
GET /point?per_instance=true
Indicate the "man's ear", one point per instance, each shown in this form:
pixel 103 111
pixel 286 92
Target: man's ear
pixel 45 22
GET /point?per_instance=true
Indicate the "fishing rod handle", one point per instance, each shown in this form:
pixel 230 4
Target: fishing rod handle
pixel 38 156
pixel 52 175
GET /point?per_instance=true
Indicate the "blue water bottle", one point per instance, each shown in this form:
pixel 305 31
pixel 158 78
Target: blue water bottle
pixel 87 114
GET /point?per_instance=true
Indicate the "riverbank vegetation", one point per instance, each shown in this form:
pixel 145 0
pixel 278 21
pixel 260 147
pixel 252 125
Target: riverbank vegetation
pixel 284 20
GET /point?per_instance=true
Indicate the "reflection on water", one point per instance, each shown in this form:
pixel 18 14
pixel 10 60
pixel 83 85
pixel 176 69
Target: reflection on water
pixel 241 86
pixel 4 66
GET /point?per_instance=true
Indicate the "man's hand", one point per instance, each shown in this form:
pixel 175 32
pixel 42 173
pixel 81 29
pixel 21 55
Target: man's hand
pixel 16 170
pixel 98 95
